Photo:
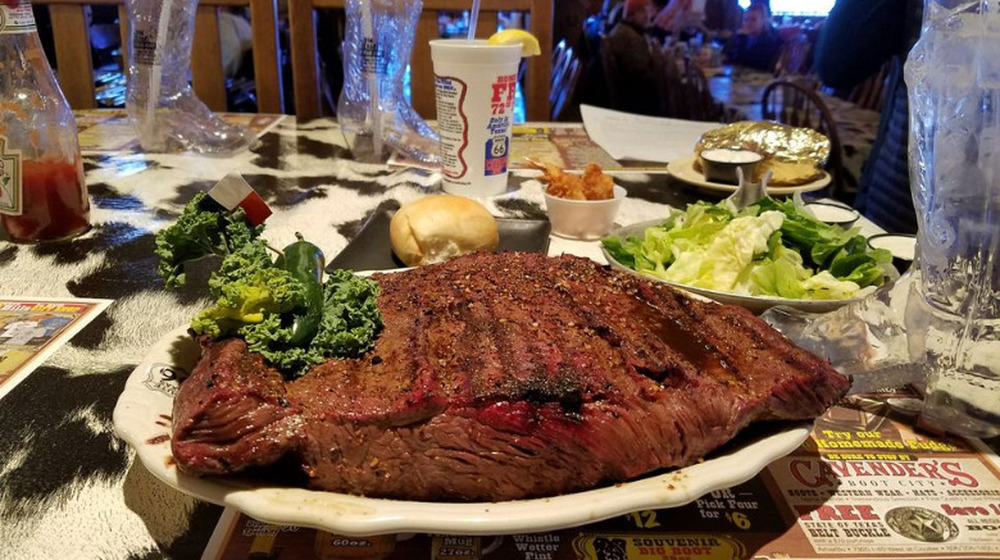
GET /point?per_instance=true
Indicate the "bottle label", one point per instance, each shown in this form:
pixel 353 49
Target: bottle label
pixel 144 45
pixel 16 17
pixel 10 180
pixel 374 57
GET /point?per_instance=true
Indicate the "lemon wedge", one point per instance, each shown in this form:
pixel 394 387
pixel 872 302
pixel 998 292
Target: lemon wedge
pixel 528 42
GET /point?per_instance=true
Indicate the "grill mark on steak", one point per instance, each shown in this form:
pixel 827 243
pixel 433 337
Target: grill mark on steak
pixel 519 342
pixel 624 322
pixel 533 343
pixel 513 376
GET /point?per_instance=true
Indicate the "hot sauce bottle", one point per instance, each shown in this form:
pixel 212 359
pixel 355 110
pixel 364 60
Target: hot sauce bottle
pixel 43 196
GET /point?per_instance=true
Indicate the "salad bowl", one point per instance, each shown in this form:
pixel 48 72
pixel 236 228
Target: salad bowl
pixel 755 303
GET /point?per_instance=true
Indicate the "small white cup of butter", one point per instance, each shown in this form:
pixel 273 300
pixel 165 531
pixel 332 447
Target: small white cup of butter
pixel 903 247
pixel 719 164
pixel 833 213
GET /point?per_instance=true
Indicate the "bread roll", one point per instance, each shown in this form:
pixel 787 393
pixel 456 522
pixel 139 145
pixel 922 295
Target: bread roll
pixel 438 227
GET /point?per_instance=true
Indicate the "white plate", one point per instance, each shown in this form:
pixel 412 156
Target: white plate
pixel 142 416
pixel 684 170
pixel 757 304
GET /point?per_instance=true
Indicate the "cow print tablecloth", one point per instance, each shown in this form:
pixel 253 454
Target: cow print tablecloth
pixel 69 488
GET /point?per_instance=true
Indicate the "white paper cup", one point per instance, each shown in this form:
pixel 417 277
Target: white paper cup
pixel 474 84
pixel 583 219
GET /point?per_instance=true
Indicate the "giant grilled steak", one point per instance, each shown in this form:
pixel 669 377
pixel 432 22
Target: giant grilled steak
pixel 500 377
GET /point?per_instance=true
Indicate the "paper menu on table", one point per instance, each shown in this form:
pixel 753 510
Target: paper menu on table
pixel 32 329
pixel 638 137
pixel 564 145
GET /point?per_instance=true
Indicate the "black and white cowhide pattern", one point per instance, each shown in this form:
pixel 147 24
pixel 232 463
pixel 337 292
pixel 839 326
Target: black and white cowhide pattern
pixel 69 488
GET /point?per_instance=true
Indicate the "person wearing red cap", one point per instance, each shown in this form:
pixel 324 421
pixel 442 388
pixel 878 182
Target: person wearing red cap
pixel 628 49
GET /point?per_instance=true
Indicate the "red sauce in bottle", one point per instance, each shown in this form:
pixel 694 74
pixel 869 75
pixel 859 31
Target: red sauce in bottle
pixel 54 200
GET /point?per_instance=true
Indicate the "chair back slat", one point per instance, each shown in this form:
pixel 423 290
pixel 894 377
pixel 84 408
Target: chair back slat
pixel 206 68
pixel 793 59
pixel 488 24
pixel 123 30
pixel 70 27
pixel 71 35
pixel 266 60
pixel 798 104
pixel 305 62
pixel 870 93
pixel 701 106
pixel 540 15
pixel 305 66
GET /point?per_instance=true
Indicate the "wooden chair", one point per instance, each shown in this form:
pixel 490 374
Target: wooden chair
pixel 305 62
pixel 793 103
pixel 697 97
pixel 70 20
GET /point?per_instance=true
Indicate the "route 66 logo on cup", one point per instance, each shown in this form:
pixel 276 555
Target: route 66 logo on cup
pixel 496 155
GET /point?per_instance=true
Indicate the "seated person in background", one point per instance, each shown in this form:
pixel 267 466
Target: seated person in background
pixel 669 18
pixel 757 44
pixel 236 40
pixel 680 19
pixel 857 39
pixel 628 50
pixel 723 17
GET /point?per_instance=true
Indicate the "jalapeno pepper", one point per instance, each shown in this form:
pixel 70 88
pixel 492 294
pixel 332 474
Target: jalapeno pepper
pixel 305 262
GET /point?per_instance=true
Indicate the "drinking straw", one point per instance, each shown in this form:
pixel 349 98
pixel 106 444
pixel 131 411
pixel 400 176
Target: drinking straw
pixel 155 72
pixel 373 86
pixel 473 19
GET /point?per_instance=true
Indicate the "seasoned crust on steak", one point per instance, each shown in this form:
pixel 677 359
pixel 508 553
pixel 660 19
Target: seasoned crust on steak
pixel 518 375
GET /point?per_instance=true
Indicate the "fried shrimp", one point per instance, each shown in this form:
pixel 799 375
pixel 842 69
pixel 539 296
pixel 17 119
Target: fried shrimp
pixel 592 185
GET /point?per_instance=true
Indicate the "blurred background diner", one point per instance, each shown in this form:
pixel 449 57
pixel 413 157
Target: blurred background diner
pixel 304 110
pixel 707 60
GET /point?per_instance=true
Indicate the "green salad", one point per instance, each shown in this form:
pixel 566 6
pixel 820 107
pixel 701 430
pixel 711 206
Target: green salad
pixel 771 248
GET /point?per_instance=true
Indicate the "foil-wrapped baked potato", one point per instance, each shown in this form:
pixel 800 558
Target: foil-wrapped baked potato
pixel 793 155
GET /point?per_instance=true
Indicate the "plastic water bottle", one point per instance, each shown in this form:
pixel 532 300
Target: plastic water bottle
pixel 953 318
pixel 372 112
pixel 165 112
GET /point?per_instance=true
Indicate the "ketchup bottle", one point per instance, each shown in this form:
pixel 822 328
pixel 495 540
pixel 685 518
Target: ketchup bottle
pixel 43 196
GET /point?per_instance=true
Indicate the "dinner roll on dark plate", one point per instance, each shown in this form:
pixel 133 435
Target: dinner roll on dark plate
pixel 436 228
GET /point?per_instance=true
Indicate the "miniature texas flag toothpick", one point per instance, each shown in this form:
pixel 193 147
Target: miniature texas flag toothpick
pixel 234 192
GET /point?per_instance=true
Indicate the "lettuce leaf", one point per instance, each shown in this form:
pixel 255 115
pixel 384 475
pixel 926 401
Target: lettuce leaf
pixel 771 248
pixel 721 260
